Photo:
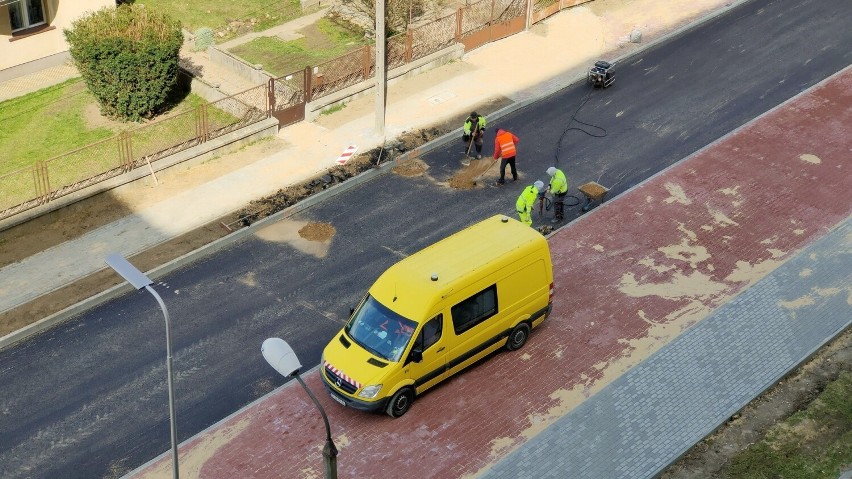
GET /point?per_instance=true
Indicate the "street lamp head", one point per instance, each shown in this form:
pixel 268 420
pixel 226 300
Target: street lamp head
pixel 127 271
pixel 280 356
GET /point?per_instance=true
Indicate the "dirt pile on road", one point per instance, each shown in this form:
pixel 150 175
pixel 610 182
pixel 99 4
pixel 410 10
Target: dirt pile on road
pixel 472 175
pixel 317 232
pixel 410 167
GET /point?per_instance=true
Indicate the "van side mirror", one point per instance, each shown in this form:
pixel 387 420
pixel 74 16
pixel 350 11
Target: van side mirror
pixel 416 356
pixel 351 311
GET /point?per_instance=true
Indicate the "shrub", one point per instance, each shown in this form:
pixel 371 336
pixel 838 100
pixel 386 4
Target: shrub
pixel 203 39
pixel 128 57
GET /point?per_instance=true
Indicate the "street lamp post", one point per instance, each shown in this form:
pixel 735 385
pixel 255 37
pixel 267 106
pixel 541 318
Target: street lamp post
pixel 381 69
pixel 281 357
pixel 138 280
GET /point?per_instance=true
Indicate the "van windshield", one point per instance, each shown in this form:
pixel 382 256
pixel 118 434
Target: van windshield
pixel 379 330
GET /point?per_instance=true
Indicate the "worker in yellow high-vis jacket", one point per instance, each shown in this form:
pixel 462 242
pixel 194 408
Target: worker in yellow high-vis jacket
pixel 525 202
pixel 558 188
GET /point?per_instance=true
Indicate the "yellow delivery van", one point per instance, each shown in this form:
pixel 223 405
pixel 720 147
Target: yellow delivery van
pixel 438 311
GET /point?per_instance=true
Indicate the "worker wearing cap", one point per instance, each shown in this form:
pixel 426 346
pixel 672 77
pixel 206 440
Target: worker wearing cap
pixel 526 201
pixel 474 130
pixel 505 149
pixel 558 188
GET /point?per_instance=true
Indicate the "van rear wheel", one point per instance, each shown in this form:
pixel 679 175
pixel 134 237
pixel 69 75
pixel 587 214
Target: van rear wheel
pixel 518 337
pixel 400 402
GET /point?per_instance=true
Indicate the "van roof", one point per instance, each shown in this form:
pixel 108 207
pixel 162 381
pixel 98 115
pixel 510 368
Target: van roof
pixel 407 287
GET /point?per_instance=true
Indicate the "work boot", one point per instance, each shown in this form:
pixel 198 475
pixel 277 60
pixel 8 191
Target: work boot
pixel 478 156
pixel 500 182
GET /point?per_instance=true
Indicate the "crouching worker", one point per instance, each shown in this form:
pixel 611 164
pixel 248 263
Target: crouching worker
pixel 525 202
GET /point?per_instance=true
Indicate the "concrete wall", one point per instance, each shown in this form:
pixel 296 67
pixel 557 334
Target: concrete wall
pixel 26 46
pixel 239 66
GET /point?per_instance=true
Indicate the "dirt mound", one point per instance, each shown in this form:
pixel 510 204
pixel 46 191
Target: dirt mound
pixel 593 190
pixel 469 176
pixel 410 140
pixel 411 167
pixel 317 232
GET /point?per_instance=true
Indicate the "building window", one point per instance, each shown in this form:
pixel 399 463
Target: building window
pixel 26 14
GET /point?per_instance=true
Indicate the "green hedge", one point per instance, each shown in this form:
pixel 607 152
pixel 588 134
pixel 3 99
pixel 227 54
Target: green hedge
pixel 128 57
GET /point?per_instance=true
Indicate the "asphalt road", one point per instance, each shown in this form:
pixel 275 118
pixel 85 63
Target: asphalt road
pixel 88 398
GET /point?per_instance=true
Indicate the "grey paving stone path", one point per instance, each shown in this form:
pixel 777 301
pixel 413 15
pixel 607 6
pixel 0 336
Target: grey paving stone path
pixel 647 418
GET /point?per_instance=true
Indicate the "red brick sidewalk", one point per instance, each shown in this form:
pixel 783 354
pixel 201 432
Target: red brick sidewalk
pixel 630 277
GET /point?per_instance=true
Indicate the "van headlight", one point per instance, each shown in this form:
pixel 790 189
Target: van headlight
pixel 370 392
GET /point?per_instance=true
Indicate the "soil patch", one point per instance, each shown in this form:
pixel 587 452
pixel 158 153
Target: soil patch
pixel 94 119
pixel 409 140
pixel 472 175
pixel 317 232
pixel 315 39
pixel 289 196
pixel 410 167
pixel 593 190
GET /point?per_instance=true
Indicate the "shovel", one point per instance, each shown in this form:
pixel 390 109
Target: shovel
pixel 479 177
pixel 466 160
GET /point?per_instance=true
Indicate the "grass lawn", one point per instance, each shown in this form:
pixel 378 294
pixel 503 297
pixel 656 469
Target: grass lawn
pixel 322 41
pixel 813 443
pixel 218 14
pixel 65 117
pixel 46 123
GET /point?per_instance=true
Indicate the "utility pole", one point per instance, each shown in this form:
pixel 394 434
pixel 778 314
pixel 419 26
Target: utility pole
pixel 381 72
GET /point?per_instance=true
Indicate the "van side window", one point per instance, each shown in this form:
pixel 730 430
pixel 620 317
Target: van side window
pixel 431 332
pixel 475 309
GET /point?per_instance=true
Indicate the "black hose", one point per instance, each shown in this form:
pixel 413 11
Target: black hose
pixel 570 128
pixel 602 134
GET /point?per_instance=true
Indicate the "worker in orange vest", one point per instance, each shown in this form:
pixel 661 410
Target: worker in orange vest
pixel 504 148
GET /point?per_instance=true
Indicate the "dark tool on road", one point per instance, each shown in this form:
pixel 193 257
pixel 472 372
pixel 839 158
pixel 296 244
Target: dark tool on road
pixel 544 204
pixel 602 74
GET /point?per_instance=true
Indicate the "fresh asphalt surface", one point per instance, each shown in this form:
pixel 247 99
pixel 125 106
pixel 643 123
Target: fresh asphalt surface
pixel 88 398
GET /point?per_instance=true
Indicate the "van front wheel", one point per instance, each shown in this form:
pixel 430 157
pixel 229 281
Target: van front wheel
pixel 518 337
pixel 400 402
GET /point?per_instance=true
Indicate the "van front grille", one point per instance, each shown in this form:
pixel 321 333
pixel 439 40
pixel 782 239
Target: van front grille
pixel 339 381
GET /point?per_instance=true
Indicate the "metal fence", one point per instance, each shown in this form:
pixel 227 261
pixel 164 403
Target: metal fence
pixel 342 72
pixel 64 174
pixel 433 37
pixel 472 25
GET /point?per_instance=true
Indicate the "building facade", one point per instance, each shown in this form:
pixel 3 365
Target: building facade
pixel 31 35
